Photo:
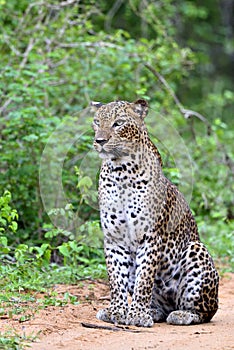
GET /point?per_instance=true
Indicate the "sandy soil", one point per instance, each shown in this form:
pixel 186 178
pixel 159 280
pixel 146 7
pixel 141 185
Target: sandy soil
pixel 61 327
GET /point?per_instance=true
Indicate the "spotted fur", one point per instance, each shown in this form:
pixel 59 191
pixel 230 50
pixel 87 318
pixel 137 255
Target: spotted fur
pixel 152 247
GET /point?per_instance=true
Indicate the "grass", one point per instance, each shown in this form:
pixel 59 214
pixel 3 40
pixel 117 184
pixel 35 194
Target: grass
pixel 21 307
pixel 26 288
pixel 218 238
pixel 10 340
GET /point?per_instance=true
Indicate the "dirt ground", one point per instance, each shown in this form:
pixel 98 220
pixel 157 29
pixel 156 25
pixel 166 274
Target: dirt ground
pixel 63 327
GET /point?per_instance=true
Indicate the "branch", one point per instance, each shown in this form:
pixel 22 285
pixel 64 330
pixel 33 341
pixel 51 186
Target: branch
pixel 5 39
pixel 27 52
pixel 110 328
pixel 187 113
pixel 5 105
pixel 109 17
pixel 62 4
pixel 96 44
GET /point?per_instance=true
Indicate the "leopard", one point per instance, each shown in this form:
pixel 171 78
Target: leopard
pixel 158 268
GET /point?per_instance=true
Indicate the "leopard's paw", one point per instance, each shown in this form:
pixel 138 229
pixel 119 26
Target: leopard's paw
pixel 140 318
pixel 180 317
pixel 113 315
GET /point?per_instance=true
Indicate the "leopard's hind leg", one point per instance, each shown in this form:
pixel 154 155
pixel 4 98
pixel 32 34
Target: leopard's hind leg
pixel 197 295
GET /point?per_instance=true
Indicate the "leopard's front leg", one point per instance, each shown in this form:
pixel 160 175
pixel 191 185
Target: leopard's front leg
pixel 139 313
pixel 118 262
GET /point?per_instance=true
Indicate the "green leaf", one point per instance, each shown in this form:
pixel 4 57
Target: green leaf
pixel 64 250
pixel 3 241
pixel 30 138
pixel 13 226
pixel 85 183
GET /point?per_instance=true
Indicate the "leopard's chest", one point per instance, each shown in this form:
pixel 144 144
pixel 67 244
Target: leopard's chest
pixel 126 204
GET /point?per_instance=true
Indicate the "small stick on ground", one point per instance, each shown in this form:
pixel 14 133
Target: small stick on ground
pixel 112 328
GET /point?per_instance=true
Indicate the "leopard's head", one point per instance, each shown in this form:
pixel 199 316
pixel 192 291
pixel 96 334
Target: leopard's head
pixel 118 127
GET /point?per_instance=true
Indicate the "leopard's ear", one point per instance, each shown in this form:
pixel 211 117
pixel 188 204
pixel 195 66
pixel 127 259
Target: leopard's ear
pixel 95 105
pixel 141 107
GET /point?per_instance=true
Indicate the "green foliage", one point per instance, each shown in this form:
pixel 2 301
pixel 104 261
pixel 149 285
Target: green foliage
pixel 28 267
pixel 44 85
pixel 8 216
pixel 12 341
pixel 50 74
pixel 24 307
pixel 213 201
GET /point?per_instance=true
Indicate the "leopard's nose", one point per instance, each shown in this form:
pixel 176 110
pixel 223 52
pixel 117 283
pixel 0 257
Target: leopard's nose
pixel 101 141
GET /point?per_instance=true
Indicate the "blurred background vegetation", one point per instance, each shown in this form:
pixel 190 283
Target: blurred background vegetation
pixel 57 56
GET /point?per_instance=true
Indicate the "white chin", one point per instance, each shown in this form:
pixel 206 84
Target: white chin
pixel 105 155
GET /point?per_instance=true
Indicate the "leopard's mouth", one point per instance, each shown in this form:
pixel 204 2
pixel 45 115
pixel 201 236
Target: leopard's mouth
pixel 112 154
pixel 108 152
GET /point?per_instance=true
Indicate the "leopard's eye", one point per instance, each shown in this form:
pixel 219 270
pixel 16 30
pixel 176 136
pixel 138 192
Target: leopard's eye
pixel 96 122
pixel 118 122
